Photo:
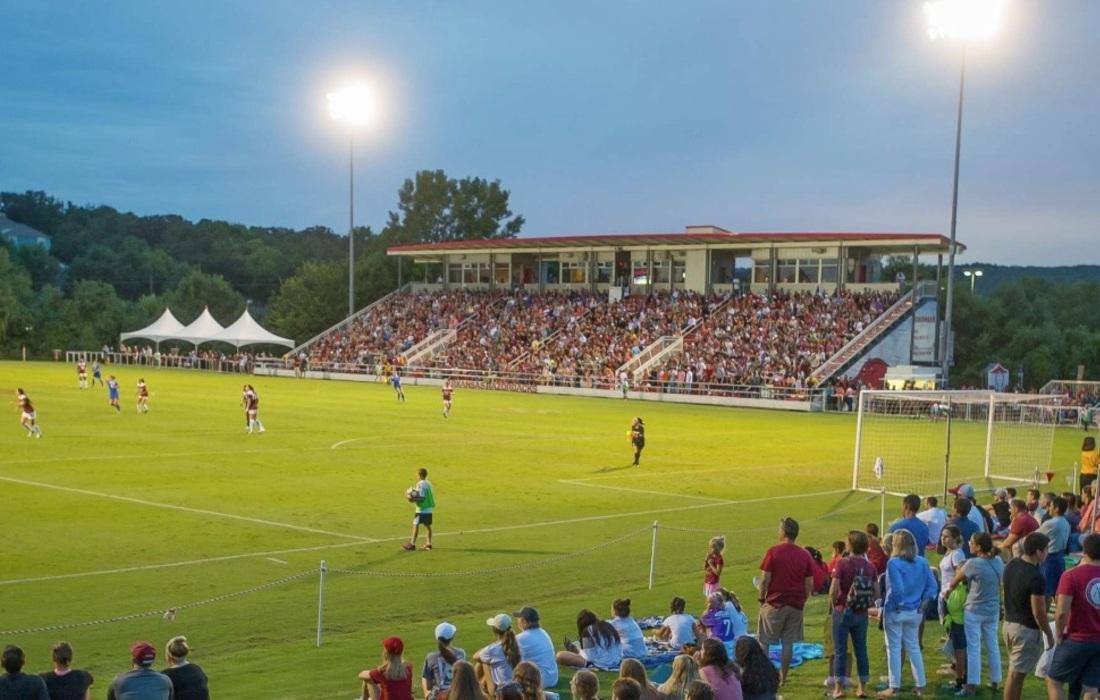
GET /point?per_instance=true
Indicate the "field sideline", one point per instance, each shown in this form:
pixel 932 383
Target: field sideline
pixel 111 514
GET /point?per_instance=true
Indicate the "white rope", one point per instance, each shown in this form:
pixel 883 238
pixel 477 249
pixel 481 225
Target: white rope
pixel 771 528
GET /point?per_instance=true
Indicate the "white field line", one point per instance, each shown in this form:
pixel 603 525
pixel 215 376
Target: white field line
pixel 186 509
pixel 146 456
pixel 483 530
pixel 277 561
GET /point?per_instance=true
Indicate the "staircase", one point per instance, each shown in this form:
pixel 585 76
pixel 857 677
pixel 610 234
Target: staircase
pixel 429 346
pixel 652 354
pixel 306 345
pixel 855 347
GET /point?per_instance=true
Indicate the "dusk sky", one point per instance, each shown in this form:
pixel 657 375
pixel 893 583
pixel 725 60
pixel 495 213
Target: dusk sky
pixel 600 117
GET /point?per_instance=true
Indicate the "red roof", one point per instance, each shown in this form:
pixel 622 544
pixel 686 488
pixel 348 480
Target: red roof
pixel 664 239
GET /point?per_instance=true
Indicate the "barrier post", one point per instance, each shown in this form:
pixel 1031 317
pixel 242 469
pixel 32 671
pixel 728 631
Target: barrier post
pixel 321 601
pixel 882 514
pixel 652 555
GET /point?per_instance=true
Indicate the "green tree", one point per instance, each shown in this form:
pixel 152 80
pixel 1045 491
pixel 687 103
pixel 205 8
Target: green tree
pixel 198 290
pixel 15 292
pixel 310 301
pixel 433 208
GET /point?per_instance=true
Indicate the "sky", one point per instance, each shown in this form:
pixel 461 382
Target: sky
pixel 600 117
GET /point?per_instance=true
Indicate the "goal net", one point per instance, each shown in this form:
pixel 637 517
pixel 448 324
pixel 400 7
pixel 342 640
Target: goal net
pixel 923 441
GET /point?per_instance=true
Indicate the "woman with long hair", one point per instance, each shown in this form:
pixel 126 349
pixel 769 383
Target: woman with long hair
pixel 585 685
pixel 684 672
pixel 630 634
pixel 393 679
pixel 983 573
pixel 495 662
pixel 632 668
pixel 599 644
pixel 464 684
pixel 759 679
pixel 909 584
pixel 435 680
pixel 853 590
pixel 529 678
pixel 954 615
pixel 719 672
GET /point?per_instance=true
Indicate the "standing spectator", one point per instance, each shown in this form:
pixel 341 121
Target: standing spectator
pixel 1090 462
pixel 495 662
pixel 141 681
pixel 786 585
pixel 910 505
pixel 1025 613
pixel 15 684
pixel 759 679
pixel 1057 528
pixel 435 679
pixel 1021 525
pixel 678 627
pixel 630 634
pixel 598 641
pixel 536 646
pixel 188 680
pixel 464 684
pixel 721 675
pixel 983 573
pixel 1077 626
pixel 425 507
pixel 393 679
pixel 875 553
pixel 909 583
pixel 65 682
pixel 585 685
pixel 853 590
pixel 954 618
pixel 933 517
pixel 684 672
pixel 712 565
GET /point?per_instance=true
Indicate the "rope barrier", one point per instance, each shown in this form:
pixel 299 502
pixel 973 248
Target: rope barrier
pixel 166 613
pixel 771 528
pixel 510 567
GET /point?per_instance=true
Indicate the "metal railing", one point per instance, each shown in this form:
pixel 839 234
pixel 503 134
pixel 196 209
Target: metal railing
pixel 241 365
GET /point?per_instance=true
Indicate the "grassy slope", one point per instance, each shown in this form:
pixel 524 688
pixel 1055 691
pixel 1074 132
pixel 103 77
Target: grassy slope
pixel 503 464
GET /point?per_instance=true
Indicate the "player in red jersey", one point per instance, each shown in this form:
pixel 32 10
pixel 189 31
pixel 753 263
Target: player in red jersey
pixel 252 409
pixel 82 374
pixel 142 396
pixel 448 392
pixel 29 415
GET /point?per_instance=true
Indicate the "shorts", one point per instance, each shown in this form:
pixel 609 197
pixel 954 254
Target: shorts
pixel 1076 661
pixel 709 589
pixel 423 519
pixel 957 633
pixel 1024 646
pixel 779 625
pixel 638 444
pixel 112 395
pixel 30 416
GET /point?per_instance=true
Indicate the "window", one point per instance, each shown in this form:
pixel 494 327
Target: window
pixel 454 273
pixel 501 274
pixel 762 271
pixel 551 272
pixel 807 271
pixel 786 271
pixel 483 273
pixel 662 270
pixel 573 272
pixel 828 271
pixel 469 273
pixel 679 271
pixel 641 274
pixel 603 272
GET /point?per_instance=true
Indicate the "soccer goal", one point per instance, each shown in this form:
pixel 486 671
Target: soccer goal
pixel 923 441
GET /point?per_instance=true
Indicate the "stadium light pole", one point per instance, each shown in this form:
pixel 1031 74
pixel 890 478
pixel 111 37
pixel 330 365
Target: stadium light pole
pixel 973 275
pixel 965 21
pixel 352 106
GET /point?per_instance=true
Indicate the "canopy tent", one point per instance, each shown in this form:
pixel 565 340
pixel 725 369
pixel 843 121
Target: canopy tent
pixel 201 330
pixel 166 327
pixel 245 331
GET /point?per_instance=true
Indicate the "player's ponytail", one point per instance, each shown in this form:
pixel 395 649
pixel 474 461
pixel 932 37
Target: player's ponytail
pixel 511 647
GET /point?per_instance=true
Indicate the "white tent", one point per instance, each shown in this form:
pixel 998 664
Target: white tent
pixel 201 330
pixel 164 328
pixel 245 331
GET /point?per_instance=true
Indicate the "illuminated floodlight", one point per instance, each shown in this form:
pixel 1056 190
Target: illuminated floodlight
pixel 353 105
pixel 964 20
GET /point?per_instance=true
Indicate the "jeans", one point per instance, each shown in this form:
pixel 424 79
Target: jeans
pixel 902 627
pixel 979 629
pixel 844 624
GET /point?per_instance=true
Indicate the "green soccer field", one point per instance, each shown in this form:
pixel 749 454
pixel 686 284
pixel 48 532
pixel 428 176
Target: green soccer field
pixel 112 519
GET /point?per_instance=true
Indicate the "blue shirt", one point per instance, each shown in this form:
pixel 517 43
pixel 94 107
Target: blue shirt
pixel 966 529
pixel 396 381
pixel 908 584
pixel 917 527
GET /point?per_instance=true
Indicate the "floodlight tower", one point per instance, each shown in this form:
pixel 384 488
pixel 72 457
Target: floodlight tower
pixel 352 106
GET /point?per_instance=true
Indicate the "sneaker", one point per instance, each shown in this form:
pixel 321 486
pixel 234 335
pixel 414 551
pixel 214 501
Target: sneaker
pixel 263 430
pixel 408 546
pixel 427 548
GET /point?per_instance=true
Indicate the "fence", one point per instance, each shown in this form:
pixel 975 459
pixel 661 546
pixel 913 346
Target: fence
pixel 243 364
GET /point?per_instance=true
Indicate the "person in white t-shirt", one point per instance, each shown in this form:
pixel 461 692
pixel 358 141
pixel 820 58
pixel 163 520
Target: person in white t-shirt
pixel 597 644
pixel 679 628
pixel 934 517
pixel 536 646
pixel 630 634
pixel 494 663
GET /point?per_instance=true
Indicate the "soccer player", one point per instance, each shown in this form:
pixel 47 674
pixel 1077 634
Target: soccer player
pixel 82 374
pixel 97 373
pixel 252 403
pixel 425 505
pixel 29 415
pixel 637 438
pixel 395 379
pixel 142 396
pixel 112 392
pixel 448 392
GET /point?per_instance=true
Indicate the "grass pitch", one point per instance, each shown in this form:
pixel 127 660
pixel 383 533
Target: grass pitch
pixel 113 519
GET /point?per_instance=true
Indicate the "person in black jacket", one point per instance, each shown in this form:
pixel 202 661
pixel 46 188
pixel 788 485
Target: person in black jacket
pixel 65 682
pixel 188 679
pixel 17 685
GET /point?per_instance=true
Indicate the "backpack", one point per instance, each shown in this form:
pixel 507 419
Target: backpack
pixel 861 594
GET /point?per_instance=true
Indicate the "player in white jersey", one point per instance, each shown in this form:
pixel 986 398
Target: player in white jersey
pixel 29 416
pixel 82 374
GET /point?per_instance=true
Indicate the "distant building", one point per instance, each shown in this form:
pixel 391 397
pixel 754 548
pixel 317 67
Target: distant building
pixel 21 235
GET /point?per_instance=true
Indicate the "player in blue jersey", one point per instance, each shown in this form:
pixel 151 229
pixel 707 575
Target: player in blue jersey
pixel 112 392
pixel 97 373
pixel 395 379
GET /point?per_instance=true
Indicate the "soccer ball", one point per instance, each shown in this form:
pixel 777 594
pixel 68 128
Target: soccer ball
pixel 412 495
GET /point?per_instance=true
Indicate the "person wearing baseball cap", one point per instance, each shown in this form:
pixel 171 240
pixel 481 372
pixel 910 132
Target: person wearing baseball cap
pixel 536 645
pixel 977 515
pixel 393 679
pixel 494 663
pixel 435 679
pixel 141 681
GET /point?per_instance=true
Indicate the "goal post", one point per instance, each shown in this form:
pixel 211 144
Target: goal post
pixel 923 441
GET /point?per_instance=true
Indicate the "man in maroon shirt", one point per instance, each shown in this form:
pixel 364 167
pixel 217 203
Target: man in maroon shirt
pixel 786 585
pixel 1077 627
pixel 1023 524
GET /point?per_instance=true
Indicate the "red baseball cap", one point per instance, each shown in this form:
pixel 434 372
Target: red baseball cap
pixel 143 653
pixel 393 645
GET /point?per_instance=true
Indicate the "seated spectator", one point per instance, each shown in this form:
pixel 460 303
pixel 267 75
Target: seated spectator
pixel 188 680
pixel 699 690
pixel 679 627
pixel 527 675
pixel 684 672
pixel 626 689
pixel 141 681
pixel 508 691
pixel 464 683
pixel 632 668
pixel 435 679
pixel 1001 512
pixel 934 518
pixel 65 682
pixel 495 662
pixel 630 634
pixel 759 679
pixel 738 618
pixel 536 646
pixel 875 553
pixel 14 683
pixel 721 675
pixel 716 622
pixel 820 571
pixel 393 680
pixel 585 685
pixel 1020 526
pixel 597 645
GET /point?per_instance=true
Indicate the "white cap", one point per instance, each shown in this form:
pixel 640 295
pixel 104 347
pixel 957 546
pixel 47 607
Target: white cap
pixel 501 622
pixel 445 630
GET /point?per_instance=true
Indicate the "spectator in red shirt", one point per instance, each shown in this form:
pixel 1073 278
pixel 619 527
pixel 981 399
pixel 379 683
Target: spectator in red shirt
pixel 393 679
pixel 875 553
pixel 839 549
pixel 1077 626
pixel 1022 525
pixel 786 585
